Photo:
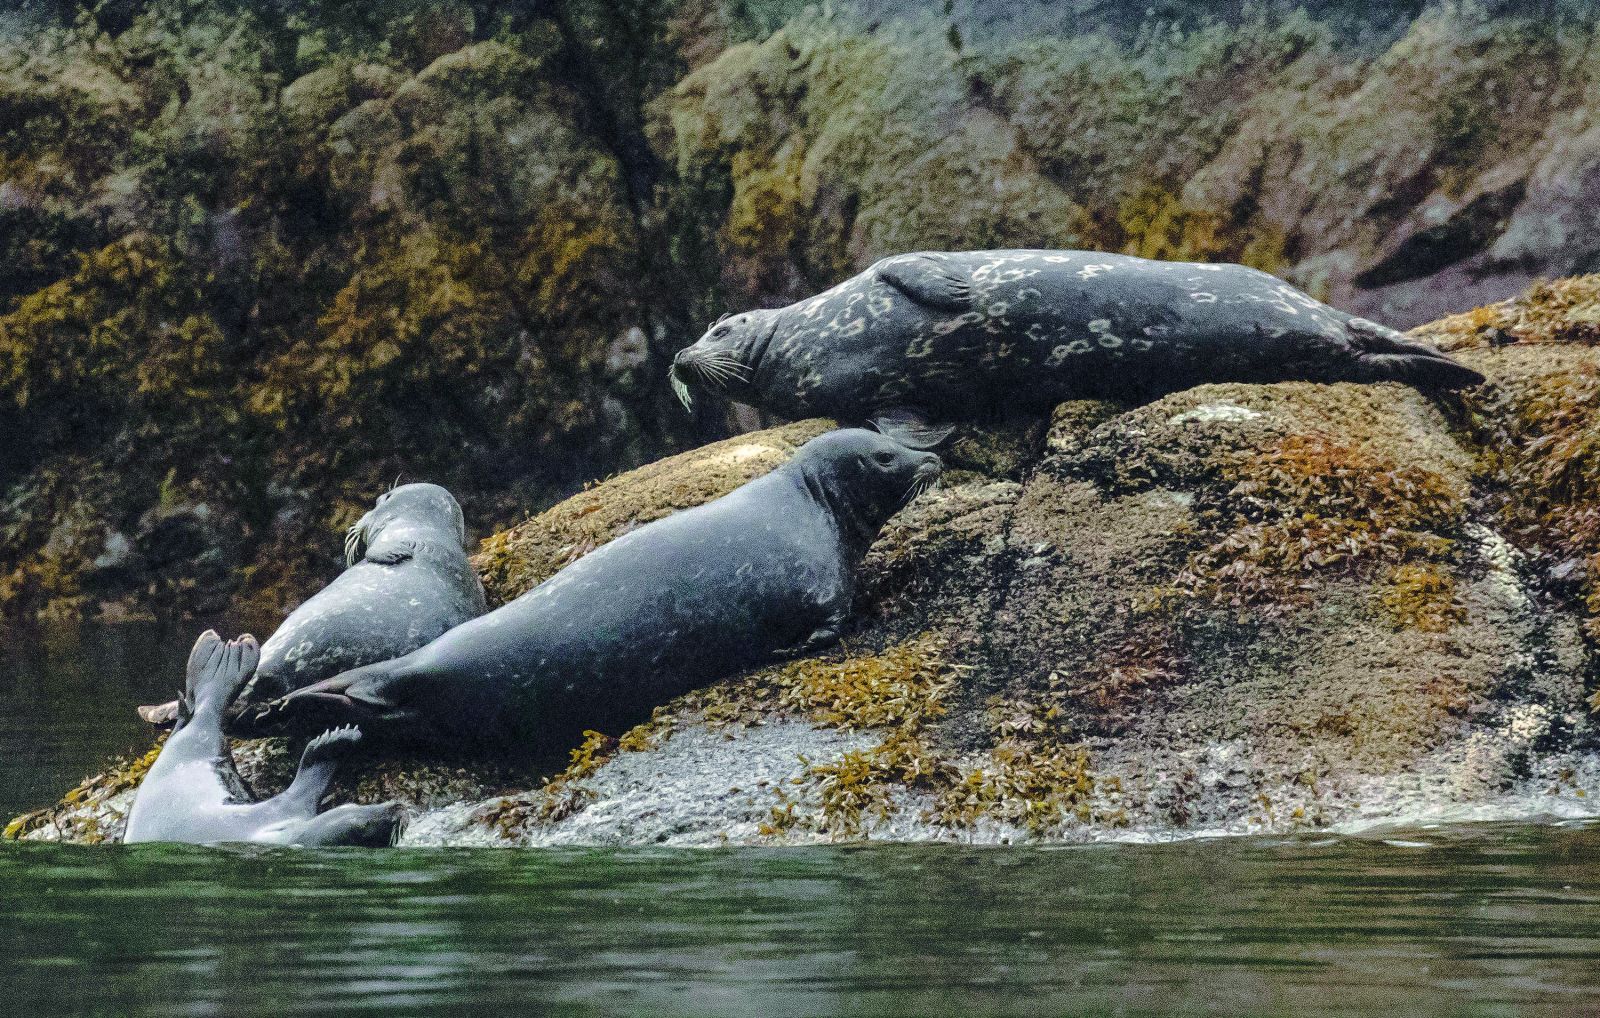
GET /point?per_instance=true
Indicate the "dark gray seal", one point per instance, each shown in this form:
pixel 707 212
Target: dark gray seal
pixel 193 793
pixel 941 337
pixel 767 569
pixel 408 582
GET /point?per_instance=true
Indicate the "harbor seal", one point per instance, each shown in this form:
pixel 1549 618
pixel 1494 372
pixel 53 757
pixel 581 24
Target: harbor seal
pixel 944 337
pixel 193 793
pixel 407 582
pixel 765 570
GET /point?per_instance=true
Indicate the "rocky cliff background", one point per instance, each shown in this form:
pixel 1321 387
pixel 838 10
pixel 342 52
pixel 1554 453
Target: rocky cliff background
pixel 259 259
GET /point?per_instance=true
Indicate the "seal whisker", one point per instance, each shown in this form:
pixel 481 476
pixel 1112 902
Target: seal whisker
pixel 354 542
pixel 731 367
pixel 717 373
pixel 681 390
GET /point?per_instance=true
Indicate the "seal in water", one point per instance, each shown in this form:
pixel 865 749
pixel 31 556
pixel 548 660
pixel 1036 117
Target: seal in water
pixel 408 582
pixel 962 336
pixel 194 794
pixel 768 568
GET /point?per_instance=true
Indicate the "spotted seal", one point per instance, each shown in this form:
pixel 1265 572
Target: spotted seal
pixel 765 570
pixel 407 582
pixel 193 794
pixel 943 337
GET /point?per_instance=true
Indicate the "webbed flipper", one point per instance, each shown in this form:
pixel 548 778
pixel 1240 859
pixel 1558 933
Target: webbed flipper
pixel 911 428
pixel 162 715
pixel 217 672
pixel 318 763
pixel 391 552
pixel 1387 355
pixel 352 697
pixel 376 826
pixel 931 280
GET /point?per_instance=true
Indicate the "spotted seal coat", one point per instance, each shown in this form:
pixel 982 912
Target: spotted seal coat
pixel 681 602
pixel 960 336
pixel 407 582
pixel 193 793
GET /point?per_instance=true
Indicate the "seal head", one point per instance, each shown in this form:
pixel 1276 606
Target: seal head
pixel 423 506
pixel 407 580
pixel 864 477
pixel 726 358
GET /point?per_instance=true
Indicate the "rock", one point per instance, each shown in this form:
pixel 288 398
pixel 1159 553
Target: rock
pixel 1240 608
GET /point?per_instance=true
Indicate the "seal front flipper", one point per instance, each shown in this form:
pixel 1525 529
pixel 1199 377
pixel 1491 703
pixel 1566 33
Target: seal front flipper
pixel 391 552
pixel 911 428
pixel 821 638
pixel 368 826
pixel 317 765
pixel 930 279
pixel 355 825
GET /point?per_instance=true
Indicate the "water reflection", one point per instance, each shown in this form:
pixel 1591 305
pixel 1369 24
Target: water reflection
pixel 1486 921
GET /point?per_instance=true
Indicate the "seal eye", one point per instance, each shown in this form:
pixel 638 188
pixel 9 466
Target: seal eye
pixel 883 459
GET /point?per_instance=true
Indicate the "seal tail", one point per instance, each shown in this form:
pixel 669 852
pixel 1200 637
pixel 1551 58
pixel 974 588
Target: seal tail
pixel 217 672
pixel 1384 355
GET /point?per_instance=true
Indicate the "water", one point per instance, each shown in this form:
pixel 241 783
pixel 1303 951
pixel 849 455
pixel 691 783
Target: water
pixel 1471 920
pixel 67 699
pixel 1481 922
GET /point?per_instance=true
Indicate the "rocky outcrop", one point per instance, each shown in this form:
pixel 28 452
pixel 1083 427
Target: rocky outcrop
pixel 260 259
pixel 1238 608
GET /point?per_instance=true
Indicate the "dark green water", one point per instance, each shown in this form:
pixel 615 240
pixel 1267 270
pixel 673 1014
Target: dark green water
pixel 1483 920
pixel 1486 921
pixel 67 699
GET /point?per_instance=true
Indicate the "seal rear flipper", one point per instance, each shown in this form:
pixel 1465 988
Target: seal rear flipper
pixel 911 428
pixel 173 713
pixel 350 698
pixel 217 672
pixel 931 280
pixel 1384 354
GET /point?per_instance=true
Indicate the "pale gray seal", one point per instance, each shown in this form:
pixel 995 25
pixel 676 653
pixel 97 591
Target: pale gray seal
pixel 962 336
pixel 193 793
pixel 682 602
pixel 408 581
